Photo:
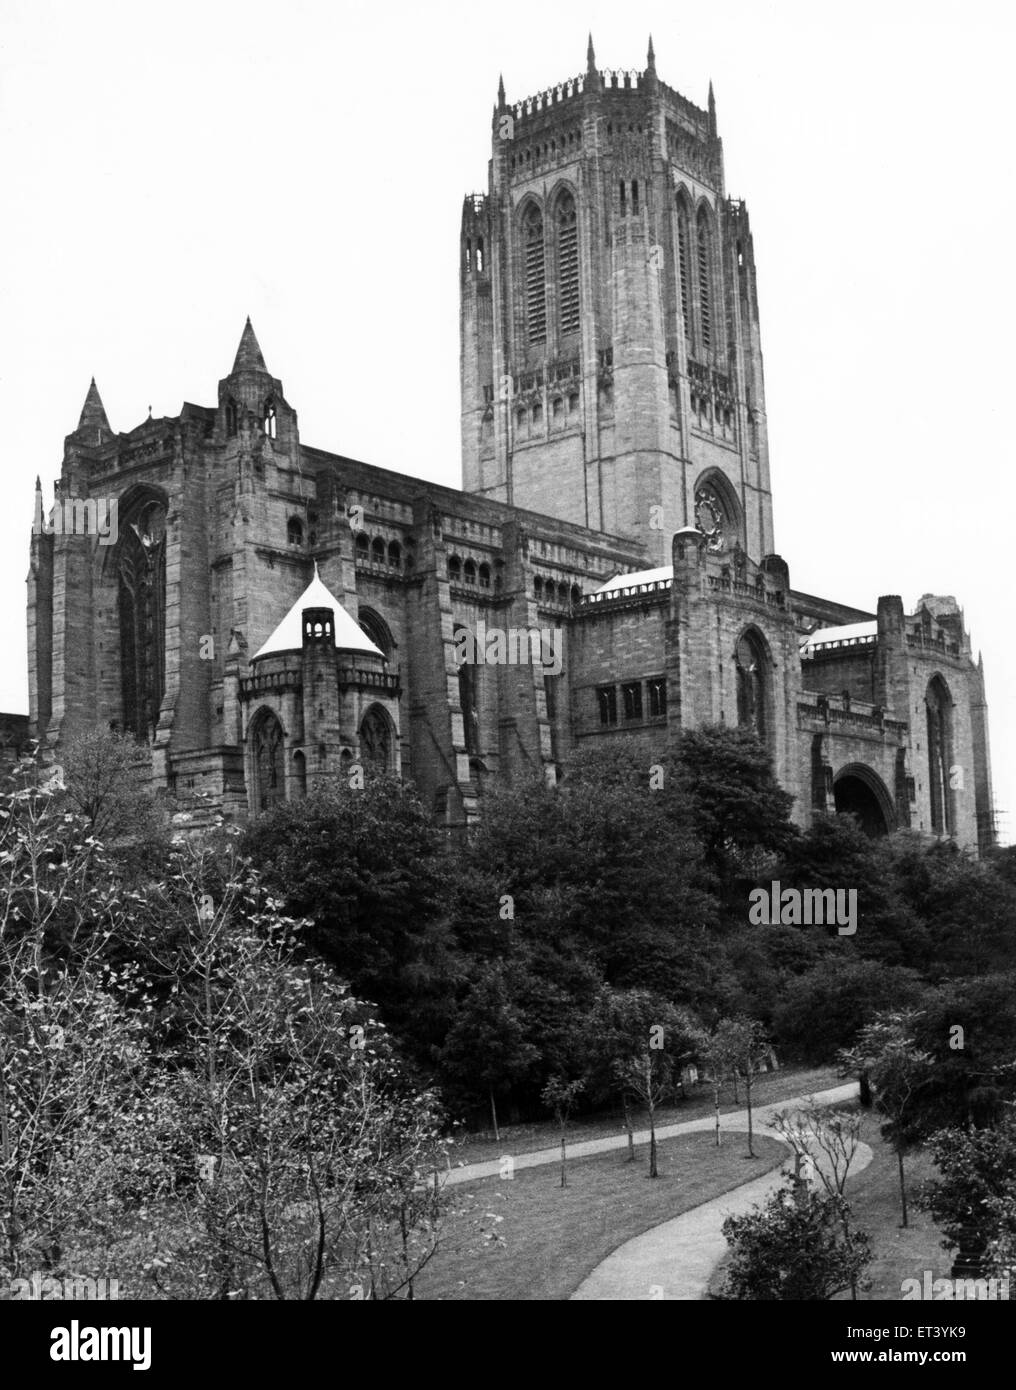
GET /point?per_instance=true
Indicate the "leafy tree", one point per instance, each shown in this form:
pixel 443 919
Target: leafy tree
pixel 974 1198
pixel 967 909
pixel 740 812
pixel 898 1070
pixel 489 1046
pixel 792 1248
pixel 617 1033
pixel 744 1043
pixel 823 1009
pixel 650 1069
pixel 968 1026
pixel 369 869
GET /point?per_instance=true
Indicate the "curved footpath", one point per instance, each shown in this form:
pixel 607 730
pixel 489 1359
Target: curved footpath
pixel 676 1259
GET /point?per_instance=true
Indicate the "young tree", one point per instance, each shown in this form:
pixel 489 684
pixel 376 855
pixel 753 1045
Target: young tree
pixel 746 1044
pixel 898 1070
pixel 560 1096
pixel 792 1248
pixel 829 1141
pixel 715 1052
pixel 103 783
pixel 650 1063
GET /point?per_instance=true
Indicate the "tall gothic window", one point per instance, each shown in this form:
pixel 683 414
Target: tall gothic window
pixel 376 740
pixel 939 721
pixel 567 264
pixel 749 660
pixel 268 753
pixel 536 290
pixel 142 603
pixel 705 270
pixel 683 267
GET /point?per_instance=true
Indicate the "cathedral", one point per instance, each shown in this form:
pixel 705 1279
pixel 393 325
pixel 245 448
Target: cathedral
pixel 264 616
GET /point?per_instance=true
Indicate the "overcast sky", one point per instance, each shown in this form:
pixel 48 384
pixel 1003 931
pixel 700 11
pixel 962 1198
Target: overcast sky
pixel 169 169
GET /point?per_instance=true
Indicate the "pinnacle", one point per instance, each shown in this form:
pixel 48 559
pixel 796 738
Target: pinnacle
pixel 249 357
pixel 590 55
pixel 93 412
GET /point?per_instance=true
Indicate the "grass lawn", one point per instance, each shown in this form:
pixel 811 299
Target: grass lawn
pixel 552 1238
pixel 874 1197
pixel 770 1086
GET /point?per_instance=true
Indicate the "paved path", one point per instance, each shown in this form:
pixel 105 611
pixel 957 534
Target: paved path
pixel 676 1259
pixel 735 1120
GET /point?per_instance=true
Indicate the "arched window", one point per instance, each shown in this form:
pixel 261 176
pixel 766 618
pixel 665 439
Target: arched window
pixel 454 568
pixel 705 275
pixel 269 782
pixel 576 593
pixel 717 515
pixel 483 574
pixel 538 587
pixel 567 264
pixel 231 417
pixel 938 706
pixel 377 630
pixel 749 660
pixel 468 701
pixel 562 593
pixel 469 572
pixel 141 567
pixel 683 268
pixel 536 289
pixel 270 420
pixel 479 255
pixel 394 555
pixel 300 773
pixel 376 739
pixel 362 546
pixel 377 550
pixel 294 531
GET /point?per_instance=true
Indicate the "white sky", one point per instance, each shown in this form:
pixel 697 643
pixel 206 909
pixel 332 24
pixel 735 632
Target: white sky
pixel 168 169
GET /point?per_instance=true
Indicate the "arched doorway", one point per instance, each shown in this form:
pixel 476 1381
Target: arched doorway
pixel 752 665
pixel 267 744
pixel 859 792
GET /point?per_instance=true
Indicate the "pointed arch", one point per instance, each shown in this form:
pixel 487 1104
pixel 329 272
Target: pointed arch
pixel 753 666
pixel 682 215
pixel 535 280
pixel 938 704
pixel 717 511
pixel 705 271
pixel 267 752
pixel 139 559
pixel 860 792
pixel 377 630
pixel 377 739
pixel 566 235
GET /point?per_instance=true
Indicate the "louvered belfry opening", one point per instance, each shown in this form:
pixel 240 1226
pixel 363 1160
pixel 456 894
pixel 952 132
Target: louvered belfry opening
pixel 568 264
pixel 536 290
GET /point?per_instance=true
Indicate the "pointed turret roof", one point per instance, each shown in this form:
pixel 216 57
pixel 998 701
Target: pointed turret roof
pixel 288 636
pixel 93 412
pixel 249 357
pixel 590 56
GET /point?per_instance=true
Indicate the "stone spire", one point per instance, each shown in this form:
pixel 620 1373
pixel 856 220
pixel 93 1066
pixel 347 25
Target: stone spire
pixel 712 109
pixel 651 58
pixel 590 57
pixel 500 92
pixel 93 412
pixel 249 357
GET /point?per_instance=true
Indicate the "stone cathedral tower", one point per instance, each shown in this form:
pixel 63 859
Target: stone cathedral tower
pixel 611 367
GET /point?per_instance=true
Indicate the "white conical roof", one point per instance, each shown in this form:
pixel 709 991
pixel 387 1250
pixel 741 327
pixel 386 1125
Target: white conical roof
pixel 288 636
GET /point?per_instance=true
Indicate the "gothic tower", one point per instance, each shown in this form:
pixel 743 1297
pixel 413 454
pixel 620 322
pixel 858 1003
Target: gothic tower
pixel 611 369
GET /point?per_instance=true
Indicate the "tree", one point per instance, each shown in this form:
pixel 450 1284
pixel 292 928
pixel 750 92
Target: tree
pixel 618 1029
pixel 649 1067
pixel 973 1199
pixel 897 1070
pixel 560 1096
pixel 489 1044
pixel 305 1152
pixel 716 1053
pixel 792 1248
pixel 745 1043
pixel 829 1141
pixel 822 1010
pixel 102 784
pixel 740 812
